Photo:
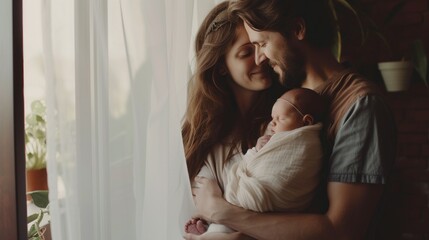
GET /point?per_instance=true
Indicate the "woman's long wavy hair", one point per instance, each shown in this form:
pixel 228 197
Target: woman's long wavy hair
pixel 212 116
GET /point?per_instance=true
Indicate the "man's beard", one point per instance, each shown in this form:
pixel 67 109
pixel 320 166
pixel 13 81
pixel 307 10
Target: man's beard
pixel 292 70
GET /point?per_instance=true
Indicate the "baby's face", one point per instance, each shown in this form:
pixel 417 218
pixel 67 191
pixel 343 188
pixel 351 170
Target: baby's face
pixel 285 117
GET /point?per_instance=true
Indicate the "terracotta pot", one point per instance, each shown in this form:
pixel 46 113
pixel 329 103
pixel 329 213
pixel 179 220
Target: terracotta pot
pixel 47 232
pixel 36 180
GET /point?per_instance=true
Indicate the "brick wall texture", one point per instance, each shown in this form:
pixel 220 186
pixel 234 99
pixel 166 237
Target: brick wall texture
pixel 406 212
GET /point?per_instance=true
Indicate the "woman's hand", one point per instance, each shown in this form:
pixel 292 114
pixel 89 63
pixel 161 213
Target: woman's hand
pixel 208 199
pixel 212 207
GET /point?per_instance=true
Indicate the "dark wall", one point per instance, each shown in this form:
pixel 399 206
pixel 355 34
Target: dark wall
pixel 407 210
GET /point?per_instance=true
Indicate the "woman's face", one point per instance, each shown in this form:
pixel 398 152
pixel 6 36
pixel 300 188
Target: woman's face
pixel 240 62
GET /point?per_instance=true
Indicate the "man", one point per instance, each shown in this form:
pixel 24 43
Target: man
pixel 295 37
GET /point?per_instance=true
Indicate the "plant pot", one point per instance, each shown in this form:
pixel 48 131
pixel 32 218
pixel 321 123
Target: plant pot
pixel 47 235
pixel 37 179
pixel 396 75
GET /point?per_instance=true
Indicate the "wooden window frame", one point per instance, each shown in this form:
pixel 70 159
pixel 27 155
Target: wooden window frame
pixel 13 214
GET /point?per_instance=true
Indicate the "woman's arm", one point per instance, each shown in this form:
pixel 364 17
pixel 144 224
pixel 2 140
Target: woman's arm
pixel 349 214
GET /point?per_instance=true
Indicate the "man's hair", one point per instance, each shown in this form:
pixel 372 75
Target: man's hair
pixel 281 15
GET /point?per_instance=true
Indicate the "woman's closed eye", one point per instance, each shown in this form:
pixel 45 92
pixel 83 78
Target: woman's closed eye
pixel 245 52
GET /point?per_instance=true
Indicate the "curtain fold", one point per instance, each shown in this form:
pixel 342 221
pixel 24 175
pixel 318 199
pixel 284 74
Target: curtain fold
pixel 117 74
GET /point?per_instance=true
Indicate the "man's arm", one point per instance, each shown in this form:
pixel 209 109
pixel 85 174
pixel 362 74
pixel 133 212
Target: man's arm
pixel 349 214
pixel 217 236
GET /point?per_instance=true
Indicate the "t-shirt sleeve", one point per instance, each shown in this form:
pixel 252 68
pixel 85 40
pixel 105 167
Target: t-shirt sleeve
pixel 214 169
pixel 365 145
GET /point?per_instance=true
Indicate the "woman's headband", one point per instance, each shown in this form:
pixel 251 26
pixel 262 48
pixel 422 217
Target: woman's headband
pixel 221 19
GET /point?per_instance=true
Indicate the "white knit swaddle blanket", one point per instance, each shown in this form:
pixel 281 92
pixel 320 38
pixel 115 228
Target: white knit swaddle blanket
pixel 282 176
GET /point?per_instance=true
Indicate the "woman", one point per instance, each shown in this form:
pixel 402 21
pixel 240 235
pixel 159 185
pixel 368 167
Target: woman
pixel 230 97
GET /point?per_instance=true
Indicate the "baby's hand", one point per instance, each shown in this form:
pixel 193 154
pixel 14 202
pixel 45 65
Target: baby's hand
pixel 262 141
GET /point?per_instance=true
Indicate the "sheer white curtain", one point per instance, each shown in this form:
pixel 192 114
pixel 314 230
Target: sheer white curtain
pixel 116 75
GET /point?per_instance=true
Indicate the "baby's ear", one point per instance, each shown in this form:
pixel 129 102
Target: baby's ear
pixel 308 120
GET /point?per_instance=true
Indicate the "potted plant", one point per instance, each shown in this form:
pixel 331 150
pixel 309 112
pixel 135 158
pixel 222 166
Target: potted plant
pixel 397 72
pixel 39 227
pixel 333 4
pixel 420 61
pixel 35 146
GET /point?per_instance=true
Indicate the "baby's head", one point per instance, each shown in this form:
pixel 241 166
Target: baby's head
pixel 297 108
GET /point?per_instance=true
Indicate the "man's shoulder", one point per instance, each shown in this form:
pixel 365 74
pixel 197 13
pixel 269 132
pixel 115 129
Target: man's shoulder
pixel 351 83
pixel 343 92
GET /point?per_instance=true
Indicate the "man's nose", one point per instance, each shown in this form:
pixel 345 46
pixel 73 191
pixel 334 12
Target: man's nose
pixel 259 56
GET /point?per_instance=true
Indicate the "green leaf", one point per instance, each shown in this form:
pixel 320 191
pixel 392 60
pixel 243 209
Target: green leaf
pixel 392 13
pixel 40 134
pixel 30 155
pixel 420 60
pixel 29 133
pixel 39 219
pixel 31 119
pixel 358 19
pixel 40 119
pixel 38 107
pixel 336 48
pixel 32 232
pixel 40 198
pixel 32 217
pixel 35 136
